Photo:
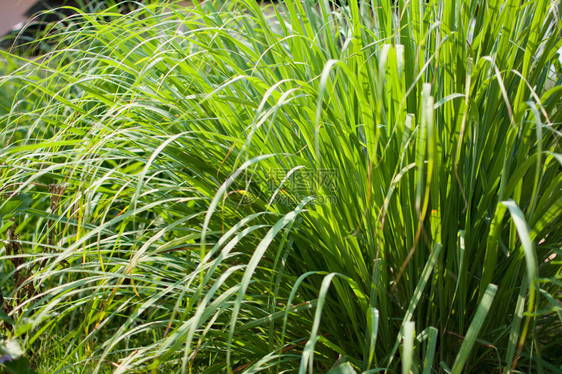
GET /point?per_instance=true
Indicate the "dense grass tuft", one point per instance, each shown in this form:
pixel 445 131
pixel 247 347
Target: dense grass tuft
pixel 232 188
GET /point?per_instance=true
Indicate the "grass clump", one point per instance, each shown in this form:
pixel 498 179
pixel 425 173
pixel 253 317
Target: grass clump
pixel 299 188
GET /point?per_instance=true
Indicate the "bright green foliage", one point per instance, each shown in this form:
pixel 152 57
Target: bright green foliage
pixel 231 189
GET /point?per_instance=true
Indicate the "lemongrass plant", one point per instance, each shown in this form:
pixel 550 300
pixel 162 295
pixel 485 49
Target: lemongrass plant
pixel 305 187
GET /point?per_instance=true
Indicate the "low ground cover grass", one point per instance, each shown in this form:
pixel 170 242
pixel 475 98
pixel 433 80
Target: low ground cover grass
pixel 305 188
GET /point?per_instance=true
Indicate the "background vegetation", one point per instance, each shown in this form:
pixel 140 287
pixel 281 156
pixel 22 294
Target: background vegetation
pixel 304 187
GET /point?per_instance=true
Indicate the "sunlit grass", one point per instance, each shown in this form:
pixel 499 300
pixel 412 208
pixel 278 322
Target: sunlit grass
pixel 361 188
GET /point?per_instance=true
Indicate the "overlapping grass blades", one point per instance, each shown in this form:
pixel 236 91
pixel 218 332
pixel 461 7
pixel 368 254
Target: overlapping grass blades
pixel 300 188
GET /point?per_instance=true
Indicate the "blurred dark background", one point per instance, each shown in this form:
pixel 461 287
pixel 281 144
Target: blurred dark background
pixel 23 22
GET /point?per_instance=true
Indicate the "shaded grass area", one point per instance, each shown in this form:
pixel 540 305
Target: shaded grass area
pixel 353 189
